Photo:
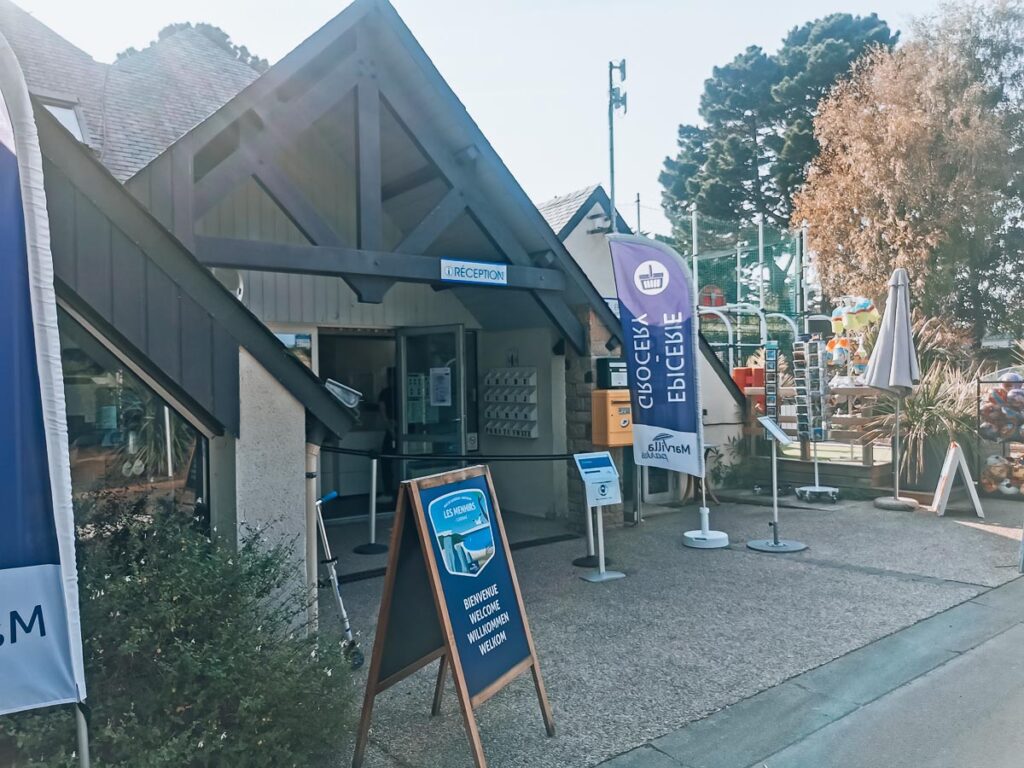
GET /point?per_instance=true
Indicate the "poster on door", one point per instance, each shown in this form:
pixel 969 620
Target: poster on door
pixel 440 387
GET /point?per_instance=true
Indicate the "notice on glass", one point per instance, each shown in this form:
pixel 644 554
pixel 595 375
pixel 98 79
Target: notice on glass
pixel 440 387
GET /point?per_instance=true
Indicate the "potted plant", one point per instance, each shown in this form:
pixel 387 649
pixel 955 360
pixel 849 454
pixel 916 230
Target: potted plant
pixel 940 409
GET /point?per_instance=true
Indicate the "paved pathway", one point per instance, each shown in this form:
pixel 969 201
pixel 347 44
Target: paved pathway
pixel 689 632
pixel 947 691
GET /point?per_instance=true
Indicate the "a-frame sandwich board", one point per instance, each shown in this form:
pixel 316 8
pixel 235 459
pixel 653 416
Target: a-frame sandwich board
pixel 955 462
pixel 451 593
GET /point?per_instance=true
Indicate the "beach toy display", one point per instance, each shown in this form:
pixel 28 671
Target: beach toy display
pixel 1001 408
pixel 846 351
pixel 1001 420
pixel 1002 475
pixel 854 313
pixel 859 360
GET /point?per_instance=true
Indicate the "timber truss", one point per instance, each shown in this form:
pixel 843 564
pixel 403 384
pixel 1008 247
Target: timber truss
pixel 244 138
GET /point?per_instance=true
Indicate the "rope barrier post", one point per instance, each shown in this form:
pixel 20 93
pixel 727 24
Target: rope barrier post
pixel 372 547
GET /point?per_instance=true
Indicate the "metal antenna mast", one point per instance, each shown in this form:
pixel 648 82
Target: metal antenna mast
pixel 616 100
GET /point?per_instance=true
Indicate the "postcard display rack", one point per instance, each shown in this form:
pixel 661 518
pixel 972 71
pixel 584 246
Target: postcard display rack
pixel 812 411
pixel 510 402
pixel 771 382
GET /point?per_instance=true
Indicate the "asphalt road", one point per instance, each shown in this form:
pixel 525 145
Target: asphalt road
pixel 946 692
pixel 965 713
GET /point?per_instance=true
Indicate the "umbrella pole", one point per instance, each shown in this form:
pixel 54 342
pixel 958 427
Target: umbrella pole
pixel 896 454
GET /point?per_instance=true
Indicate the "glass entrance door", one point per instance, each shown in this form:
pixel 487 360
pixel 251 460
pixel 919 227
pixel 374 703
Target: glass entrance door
pixel 432 406
pixel 660 485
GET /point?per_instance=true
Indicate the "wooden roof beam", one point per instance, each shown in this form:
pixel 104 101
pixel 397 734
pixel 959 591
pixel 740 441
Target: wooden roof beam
pixel 330 261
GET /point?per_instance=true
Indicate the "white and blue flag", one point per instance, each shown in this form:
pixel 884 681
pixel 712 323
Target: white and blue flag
pixel 40 636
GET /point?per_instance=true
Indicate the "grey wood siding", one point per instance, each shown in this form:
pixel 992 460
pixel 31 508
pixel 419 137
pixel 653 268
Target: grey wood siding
pixel 248 212
pixel 115 283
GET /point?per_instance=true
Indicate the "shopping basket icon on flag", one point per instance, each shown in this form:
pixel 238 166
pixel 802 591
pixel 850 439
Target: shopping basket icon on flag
pixel 652 281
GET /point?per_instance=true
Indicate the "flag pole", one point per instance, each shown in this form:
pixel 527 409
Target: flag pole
pixel 82 726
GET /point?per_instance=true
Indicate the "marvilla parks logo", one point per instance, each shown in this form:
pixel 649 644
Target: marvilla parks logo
pixel 650 278
pixel 462 526
pixel 661 445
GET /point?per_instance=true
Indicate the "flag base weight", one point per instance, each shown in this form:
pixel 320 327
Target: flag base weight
pixel 370 549
pixel 705 539
pixel 782 545
pixel 894 504
pixel 599 576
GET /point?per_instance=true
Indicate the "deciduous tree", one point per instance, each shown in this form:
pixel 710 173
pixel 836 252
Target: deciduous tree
pixel 921 167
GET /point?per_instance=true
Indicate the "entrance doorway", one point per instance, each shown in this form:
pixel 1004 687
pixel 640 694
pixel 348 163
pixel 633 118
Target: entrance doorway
pixel 364 361
pixel 419 396
pixel 660 485
pixel 432 406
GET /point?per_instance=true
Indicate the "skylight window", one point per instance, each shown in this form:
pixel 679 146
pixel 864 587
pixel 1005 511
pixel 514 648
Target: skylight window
pixel 68 116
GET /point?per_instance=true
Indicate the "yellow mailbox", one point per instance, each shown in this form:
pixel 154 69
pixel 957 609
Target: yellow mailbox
pixel 611 418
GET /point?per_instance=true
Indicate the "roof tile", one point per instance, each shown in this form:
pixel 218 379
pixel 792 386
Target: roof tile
pixel 138 106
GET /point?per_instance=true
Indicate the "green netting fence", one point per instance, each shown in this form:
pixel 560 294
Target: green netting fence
pixel 737 276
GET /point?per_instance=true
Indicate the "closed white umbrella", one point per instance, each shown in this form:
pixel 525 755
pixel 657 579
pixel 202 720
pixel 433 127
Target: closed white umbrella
pixel 893 365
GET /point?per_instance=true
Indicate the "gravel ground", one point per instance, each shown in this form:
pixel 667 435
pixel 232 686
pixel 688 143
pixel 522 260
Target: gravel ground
pixel 689 632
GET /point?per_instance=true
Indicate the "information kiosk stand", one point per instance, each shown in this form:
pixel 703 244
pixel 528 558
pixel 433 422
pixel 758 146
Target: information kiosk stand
pixel 601 480
pixel 776 434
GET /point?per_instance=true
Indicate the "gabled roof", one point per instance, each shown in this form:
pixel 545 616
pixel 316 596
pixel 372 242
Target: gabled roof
pixel 137 106
pixel 203 308
pixel 565 212
pixel 156 95
pixel 496 176
pixel 412 86
pixel 54 68
pixel 559 210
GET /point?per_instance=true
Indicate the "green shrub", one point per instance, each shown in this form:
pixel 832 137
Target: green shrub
pixel 196 654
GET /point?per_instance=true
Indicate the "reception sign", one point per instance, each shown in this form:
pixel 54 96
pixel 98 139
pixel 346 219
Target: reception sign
pixel 451 594
pixel 40 637
pixel 658 311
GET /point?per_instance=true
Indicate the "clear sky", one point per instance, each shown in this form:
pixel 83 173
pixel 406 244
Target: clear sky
pixel 532 73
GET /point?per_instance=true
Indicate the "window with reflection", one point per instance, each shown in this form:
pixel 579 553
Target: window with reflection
pixel 121 435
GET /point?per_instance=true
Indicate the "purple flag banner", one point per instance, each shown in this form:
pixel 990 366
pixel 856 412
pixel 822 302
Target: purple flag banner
pixel 40 637
pixel 658 310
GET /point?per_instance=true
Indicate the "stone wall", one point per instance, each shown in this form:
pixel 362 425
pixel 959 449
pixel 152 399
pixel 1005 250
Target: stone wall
pixel 270 462
pixel 580 380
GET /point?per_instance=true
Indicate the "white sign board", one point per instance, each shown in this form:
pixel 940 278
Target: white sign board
pixel 600 477
pixel 775 430
pixel 483 272
pixel 955 462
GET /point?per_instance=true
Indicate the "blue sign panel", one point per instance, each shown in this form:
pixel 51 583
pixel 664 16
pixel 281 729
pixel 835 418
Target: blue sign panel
pixel 596 464
pixel 476 580
pixel 658 311
pixel 481 272
pixel 40 645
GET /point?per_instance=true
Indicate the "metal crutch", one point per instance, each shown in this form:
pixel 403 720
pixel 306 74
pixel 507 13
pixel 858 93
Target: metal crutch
pixel 349 648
